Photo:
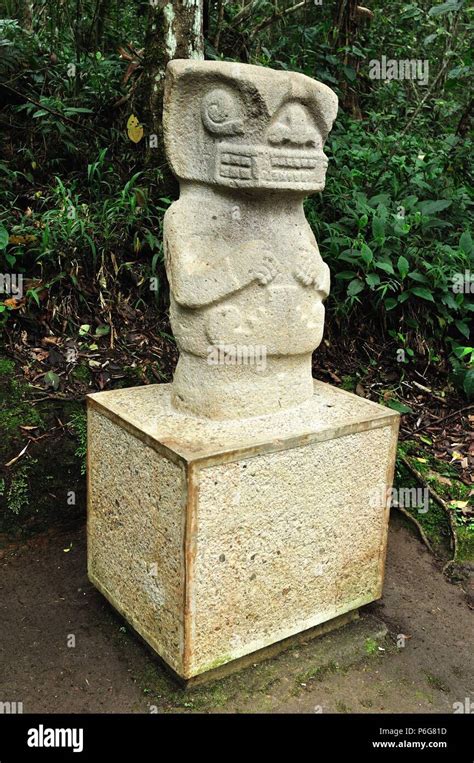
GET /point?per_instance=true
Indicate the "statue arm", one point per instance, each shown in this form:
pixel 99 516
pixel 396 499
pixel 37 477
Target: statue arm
pixel 196 280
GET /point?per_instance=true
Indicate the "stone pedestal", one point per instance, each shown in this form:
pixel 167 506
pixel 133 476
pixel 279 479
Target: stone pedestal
pixel 216 539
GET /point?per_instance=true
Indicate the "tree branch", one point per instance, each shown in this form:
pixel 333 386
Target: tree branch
pixel 277 16
pixel 51 111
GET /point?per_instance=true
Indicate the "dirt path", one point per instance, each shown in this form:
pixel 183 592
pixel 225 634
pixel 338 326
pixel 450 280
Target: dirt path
pixel 45 599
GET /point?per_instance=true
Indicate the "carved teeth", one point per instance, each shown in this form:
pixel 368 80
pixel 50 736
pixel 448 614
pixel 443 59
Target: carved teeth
pixel 295 162
pixel 230 171
pixel 286 176
pixel 261 165
pixel 236 159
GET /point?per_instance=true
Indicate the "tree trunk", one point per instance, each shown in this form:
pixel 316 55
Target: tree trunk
pixel 100 22
pixel 345 28
pixel 23 12
pixel 174 31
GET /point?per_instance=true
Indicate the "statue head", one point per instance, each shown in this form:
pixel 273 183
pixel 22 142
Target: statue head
pixel 247 127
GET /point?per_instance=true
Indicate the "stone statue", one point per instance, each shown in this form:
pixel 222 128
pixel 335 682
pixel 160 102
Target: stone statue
pixel 246 277
pixel 262 511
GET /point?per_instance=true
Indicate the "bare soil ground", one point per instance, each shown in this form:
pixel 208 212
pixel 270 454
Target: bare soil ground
pixel 45 598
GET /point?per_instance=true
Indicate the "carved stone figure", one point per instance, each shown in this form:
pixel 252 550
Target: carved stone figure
pixel 262 511
pixel 245 273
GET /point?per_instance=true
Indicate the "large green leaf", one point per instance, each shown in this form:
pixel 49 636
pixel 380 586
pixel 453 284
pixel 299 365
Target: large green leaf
pixel 396 405
pixel 420 291
pixel 372 279
pixel 432 206
pixel 463 328
pixel 355 287
pixel 465 242
pixel 448 7
pixel 468 383
pixel 403 266
pixel 378 228
pixel 346 275
pixel 3 237
pixel 366 254
pixel 386 266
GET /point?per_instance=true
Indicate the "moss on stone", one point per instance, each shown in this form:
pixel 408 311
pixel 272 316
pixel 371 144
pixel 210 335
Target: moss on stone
pixel 444 480
pixel 465 551
pixel 317 673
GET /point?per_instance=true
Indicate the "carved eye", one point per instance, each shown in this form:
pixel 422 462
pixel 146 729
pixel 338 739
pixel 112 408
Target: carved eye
pixel 220 113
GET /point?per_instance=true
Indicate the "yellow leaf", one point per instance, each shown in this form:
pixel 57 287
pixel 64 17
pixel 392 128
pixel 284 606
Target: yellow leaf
pixel 458 504
pixel 134 129
pixel 422 460
pixel 456 456
pixel 29 238
pixel 13 303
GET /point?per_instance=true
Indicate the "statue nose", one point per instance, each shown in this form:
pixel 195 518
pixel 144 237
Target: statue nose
pixel 293 127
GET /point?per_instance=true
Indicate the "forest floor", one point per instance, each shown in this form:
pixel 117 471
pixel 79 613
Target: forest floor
pixel 423 664
pixel 45 597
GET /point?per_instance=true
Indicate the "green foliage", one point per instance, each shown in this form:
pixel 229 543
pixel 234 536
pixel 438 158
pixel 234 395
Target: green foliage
pixel 101 219
pixel 81 210
pixel 78 424
pixel 34 489
pixel 398 239
pixel 371 646
pixel 444 479
pixel 18 496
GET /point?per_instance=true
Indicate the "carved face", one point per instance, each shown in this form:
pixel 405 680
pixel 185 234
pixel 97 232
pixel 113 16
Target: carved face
pixel 247 127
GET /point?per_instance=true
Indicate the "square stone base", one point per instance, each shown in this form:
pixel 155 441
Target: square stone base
pixel 218 539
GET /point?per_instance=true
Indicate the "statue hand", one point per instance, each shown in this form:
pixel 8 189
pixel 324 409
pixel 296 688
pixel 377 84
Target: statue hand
pixel 312 271
pixel 266 270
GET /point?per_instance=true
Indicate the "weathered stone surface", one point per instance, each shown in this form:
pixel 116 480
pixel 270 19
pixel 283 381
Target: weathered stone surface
pixel 246 144
pixel 216 539
pixel 136 534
